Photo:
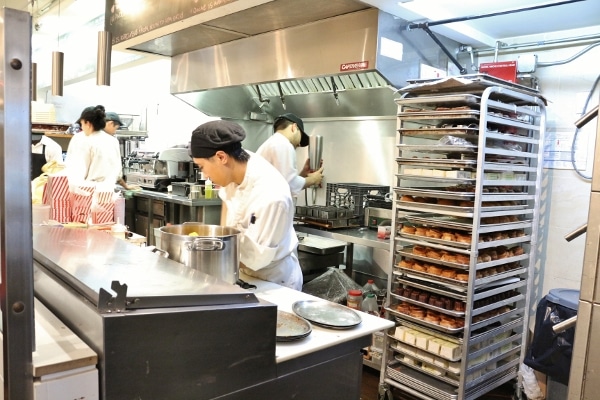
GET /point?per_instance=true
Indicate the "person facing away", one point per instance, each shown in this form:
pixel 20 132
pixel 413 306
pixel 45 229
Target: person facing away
pixel 256 200
pixel 91 153
pixel 280 151
pixel 43 150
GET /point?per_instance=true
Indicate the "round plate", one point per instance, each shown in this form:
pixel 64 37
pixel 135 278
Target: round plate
pixel 291 327
pixel 327 314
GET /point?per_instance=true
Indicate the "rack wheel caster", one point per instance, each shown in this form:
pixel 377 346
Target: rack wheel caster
pixel 385 393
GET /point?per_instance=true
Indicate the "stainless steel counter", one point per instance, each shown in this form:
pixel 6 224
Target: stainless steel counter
pixel 179 332
pixel 361 236
pixel 149 209
pixel 352 236
pixel 171 198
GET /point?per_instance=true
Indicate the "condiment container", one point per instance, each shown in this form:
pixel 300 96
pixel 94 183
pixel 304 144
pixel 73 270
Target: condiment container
pixel 354 299
pixel 118 230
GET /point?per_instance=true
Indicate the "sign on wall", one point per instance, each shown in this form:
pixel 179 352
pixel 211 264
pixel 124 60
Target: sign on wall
pixel 126 23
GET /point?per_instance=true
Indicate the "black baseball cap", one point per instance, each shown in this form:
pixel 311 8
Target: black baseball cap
pixel 295 119
pixel 213 136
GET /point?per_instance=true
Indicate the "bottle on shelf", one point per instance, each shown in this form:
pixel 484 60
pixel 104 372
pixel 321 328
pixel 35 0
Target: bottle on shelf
pixel 369 305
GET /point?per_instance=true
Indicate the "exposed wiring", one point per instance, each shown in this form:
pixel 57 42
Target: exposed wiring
pixel 573 145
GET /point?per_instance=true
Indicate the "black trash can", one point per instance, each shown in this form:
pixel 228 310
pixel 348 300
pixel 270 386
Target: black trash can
pixel 549 352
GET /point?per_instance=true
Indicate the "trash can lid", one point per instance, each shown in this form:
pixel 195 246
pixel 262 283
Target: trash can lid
pixel 565 297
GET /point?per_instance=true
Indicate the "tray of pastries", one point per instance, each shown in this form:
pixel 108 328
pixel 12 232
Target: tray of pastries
pixel 440 161
pixel 457 238
pixel 431 301
pixel 435 131
pixel 438 148
pixel 430 318
pixel 466 224
pixel 436 256
pixel 456 280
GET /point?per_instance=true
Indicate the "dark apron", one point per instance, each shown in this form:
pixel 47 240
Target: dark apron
pixel 37 162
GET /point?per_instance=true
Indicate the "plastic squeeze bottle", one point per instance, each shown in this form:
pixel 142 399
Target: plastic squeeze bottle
pixel 208 189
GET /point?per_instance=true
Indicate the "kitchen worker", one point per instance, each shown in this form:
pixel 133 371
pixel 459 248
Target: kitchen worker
pixel 256 201
pixel 113 123
pixel 43 150
pixel 91 153
pixel 280 151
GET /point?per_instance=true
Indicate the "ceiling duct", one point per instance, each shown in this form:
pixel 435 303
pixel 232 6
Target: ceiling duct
pixel 345 66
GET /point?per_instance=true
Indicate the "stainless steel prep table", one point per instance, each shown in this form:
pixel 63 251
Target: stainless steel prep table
pixel 359 236
pixel 149 209
pixel 178 333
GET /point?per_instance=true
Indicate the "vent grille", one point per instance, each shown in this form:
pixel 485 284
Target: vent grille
pixel 365 80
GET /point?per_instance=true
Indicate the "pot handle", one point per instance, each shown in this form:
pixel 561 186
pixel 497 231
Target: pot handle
pixel 206 244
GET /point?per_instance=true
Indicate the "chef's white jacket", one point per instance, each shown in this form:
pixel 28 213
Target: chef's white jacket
pixel 261 207
pixel 53 150
pixel 281 154
pixel 93 158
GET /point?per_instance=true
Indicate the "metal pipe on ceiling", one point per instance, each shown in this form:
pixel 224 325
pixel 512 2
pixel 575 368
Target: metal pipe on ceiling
pixel 540 43
pixel 472 17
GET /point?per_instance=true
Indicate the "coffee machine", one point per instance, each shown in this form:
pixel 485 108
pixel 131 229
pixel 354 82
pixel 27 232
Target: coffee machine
pixel 178 163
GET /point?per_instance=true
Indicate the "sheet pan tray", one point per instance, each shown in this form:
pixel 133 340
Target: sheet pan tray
pixel 437 148
pixel 430 132
pixel 438 162
pixel 433 192
pixel 400 317
pixel 437 115
pixel 464 224
pixel 448 100
pixel 327 314
pixel 291 327
pixel 429 385
pixel 409 254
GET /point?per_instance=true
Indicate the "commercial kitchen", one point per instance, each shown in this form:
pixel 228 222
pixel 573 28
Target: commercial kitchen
pixel 127 318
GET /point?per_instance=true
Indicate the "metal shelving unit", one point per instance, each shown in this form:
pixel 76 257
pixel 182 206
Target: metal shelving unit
pixel 469 162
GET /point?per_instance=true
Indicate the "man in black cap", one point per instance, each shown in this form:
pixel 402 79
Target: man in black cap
pixel 280 148
pixel 256 201
pixel 113 123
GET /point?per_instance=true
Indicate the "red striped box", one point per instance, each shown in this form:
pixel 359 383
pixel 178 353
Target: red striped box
pixel 60 210
pixel 81 202
pixel 103 207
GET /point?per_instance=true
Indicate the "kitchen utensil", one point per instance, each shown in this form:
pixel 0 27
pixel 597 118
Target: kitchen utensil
pixel 327 314
pixel 290 327
pixel 212 249
pixel 315 151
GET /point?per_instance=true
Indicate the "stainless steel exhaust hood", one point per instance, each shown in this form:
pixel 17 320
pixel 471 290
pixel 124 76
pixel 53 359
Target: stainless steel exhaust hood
pixel 345 66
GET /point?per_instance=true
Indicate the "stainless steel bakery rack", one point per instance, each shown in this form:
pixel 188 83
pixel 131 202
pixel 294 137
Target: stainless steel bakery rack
pixel 468 169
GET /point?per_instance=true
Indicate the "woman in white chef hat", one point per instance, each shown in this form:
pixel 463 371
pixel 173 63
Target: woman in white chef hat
pixel 256 201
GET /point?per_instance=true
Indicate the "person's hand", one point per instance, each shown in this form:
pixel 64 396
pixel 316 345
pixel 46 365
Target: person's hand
pixel 314 178
pixel 133 187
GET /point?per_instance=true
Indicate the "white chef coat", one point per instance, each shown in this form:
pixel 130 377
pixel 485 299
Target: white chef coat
pixel 53 150
pixel 261 207
pixel 281 154
pixel 93 158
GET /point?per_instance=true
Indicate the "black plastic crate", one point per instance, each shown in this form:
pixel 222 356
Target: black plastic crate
pixel 352 196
